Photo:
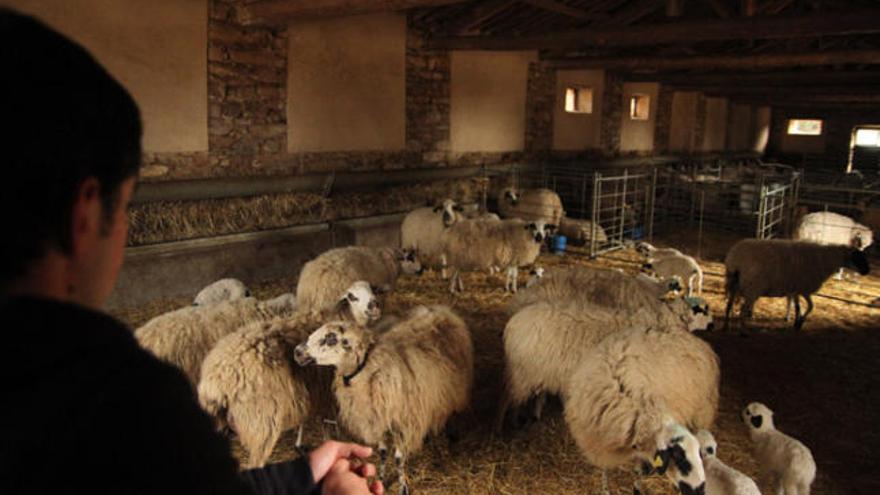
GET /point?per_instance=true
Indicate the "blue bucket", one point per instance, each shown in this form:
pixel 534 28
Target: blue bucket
pixel 559 242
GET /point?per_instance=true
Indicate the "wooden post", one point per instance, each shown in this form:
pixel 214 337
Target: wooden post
pixel 674 8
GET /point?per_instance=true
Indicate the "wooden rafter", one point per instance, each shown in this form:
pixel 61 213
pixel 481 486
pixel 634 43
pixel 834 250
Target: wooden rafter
pixel 854 92
pixel 282 12
pixel 854 22
pixel 674 8
pixel 731 62
pixel 634 12
pixel 775 6
pixel 771 79
pixel 720 8
pixel 561 8
pixel 479 13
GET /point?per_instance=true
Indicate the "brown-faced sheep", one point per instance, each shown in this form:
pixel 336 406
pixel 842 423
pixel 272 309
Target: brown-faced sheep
pixel 782 268
pixel 185 336
pixel 531 205
pixel 325 277
pixel 402 384
pixel 251 385
pixel 635 384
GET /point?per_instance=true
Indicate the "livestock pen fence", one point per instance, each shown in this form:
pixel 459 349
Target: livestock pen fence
pixel 623 205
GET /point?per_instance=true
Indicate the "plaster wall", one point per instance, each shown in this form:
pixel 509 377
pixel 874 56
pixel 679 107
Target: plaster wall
pixel 156 49
pixel 638 135
pixel 578 131
pixel 346 84
pixel 488 100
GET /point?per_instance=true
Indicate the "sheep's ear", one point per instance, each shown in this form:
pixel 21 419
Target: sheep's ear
pixel 757 421
pixel 247 293
pixel 342 306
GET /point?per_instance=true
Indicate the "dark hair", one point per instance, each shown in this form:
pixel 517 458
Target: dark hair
pixel 66 120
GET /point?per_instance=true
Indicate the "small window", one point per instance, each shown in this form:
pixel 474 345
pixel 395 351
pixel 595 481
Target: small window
pixel 639 107
pixel 805 127
pixel 868 137
pixel 579 99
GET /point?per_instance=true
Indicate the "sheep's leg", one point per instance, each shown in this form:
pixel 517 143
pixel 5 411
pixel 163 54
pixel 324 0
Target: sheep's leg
pixel 691 284
pixel 299 441
pixel 839 274
pixel 540 401
pixel 797 313
pixel 699 284
pixel 604 486
pixel 730 299
pixel 400 461
pixel 444 273
pixel 453 280
pixel 460 282
pixel 800 323
pixel 745 312
pixel 383 457
pixel 788 303
pixel 514 277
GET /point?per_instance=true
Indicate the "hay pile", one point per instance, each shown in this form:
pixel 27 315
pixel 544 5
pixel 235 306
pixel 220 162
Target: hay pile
pixel 166 221
pixel 820 382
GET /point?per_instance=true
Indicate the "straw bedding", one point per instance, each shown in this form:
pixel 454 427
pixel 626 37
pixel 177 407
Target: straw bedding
pixel 820 382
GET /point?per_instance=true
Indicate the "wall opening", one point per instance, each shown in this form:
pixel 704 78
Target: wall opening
pixel 579 99
pixel 639 107
pixel 864 149
pixel 805 127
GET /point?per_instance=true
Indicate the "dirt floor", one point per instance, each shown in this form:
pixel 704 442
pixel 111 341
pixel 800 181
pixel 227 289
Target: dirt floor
pixel 821 383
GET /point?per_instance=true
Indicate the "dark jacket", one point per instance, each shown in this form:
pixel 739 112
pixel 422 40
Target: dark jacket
pixel 85 410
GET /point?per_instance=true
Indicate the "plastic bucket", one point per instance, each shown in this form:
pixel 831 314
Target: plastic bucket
pixel 559 243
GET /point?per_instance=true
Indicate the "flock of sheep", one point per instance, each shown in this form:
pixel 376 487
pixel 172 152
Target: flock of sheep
pixel 637 386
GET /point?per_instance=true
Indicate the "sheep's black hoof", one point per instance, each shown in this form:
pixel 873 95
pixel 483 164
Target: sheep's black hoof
pixel 404 490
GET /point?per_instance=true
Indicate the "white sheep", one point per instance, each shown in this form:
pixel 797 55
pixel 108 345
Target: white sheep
pixel 422 228
pixel 250 384
pixel 682 266
pixel 402 384
pixel 782 268
pixel 531 205
pixel 635 385
pixel 581 231
pixel 563 317
pixel 787 461
pixel 649 252
pixel 535 275
pixel 226 289
pixel 185 336
pixel 825 227
pixel 722 479
pixel 325 277
pixel 480 245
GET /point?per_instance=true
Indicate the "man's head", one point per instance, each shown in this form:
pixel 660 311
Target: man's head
pixel 71 150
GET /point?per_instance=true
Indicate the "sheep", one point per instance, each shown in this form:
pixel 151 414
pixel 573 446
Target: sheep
pixel 226 289
pixel 827 227
pixel 560 319
pixel 682 266
pixel 402 384
pixel 782 268
pixel 535 275
pixel 183 337
pixel 787 461
pixel 325 277
pixel 422 228
pixel 638 383
pixel 507 244
pixel 580 232
pixel 250 385
pixel 649 252
pixel 531 205
pixel 722 479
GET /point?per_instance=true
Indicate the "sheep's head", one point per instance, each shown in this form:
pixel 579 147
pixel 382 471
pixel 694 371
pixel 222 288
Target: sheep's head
pixel 862 237
pixel 360 303
pixel 450 211
pixel 540 230
pixel 699 316
pixel 338 343
pixel 758 417
pixel 535 275
pixel 678 456
pixel 708 445
pixel 409 261
pixel 859 261
pixel 644 249
pixel 509 194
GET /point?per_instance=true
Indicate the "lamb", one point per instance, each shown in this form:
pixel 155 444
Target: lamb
pixel 783 268
pixel 183 337
pixel 722 479
pixel 788 462
pixel 682 266
pixel 226 289
pixel 507 244
pixel 402 384
pixel 535 275
pixel 564 316
pixel 325 277
pixel 649 252
pixel 422 229
pixel 636 385
pixel 580 232
pixel 250 385
pixel 531 205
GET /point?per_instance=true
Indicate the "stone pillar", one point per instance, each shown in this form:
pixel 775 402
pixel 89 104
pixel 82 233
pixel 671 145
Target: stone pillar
pixel 427 98
pixel 540 103
pixel 699 125
pixel 612 114
pixel 663 122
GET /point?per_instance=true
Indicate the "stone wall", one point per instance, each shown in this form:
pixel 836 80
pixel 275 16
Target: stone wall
pixel 427 98
pixel 540 102
pixel 700 124
pixel 663 123
pixel 612 114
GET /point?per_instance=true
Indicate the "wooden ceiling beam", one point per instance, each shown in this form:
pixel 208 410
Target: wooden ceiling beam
pixel 790 78
pixel 748 8
pixel 635 12
pixel 730 62
pixel 720 8
pixel 479 13
pixel 280 13
pixel 813 25
pixel 561 8
pixel 674 8
pixel 791 91
pixel 774 7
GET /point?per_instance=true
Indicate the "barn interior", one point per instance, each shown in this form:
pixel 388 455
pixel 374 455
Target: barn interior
pixel 275 130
